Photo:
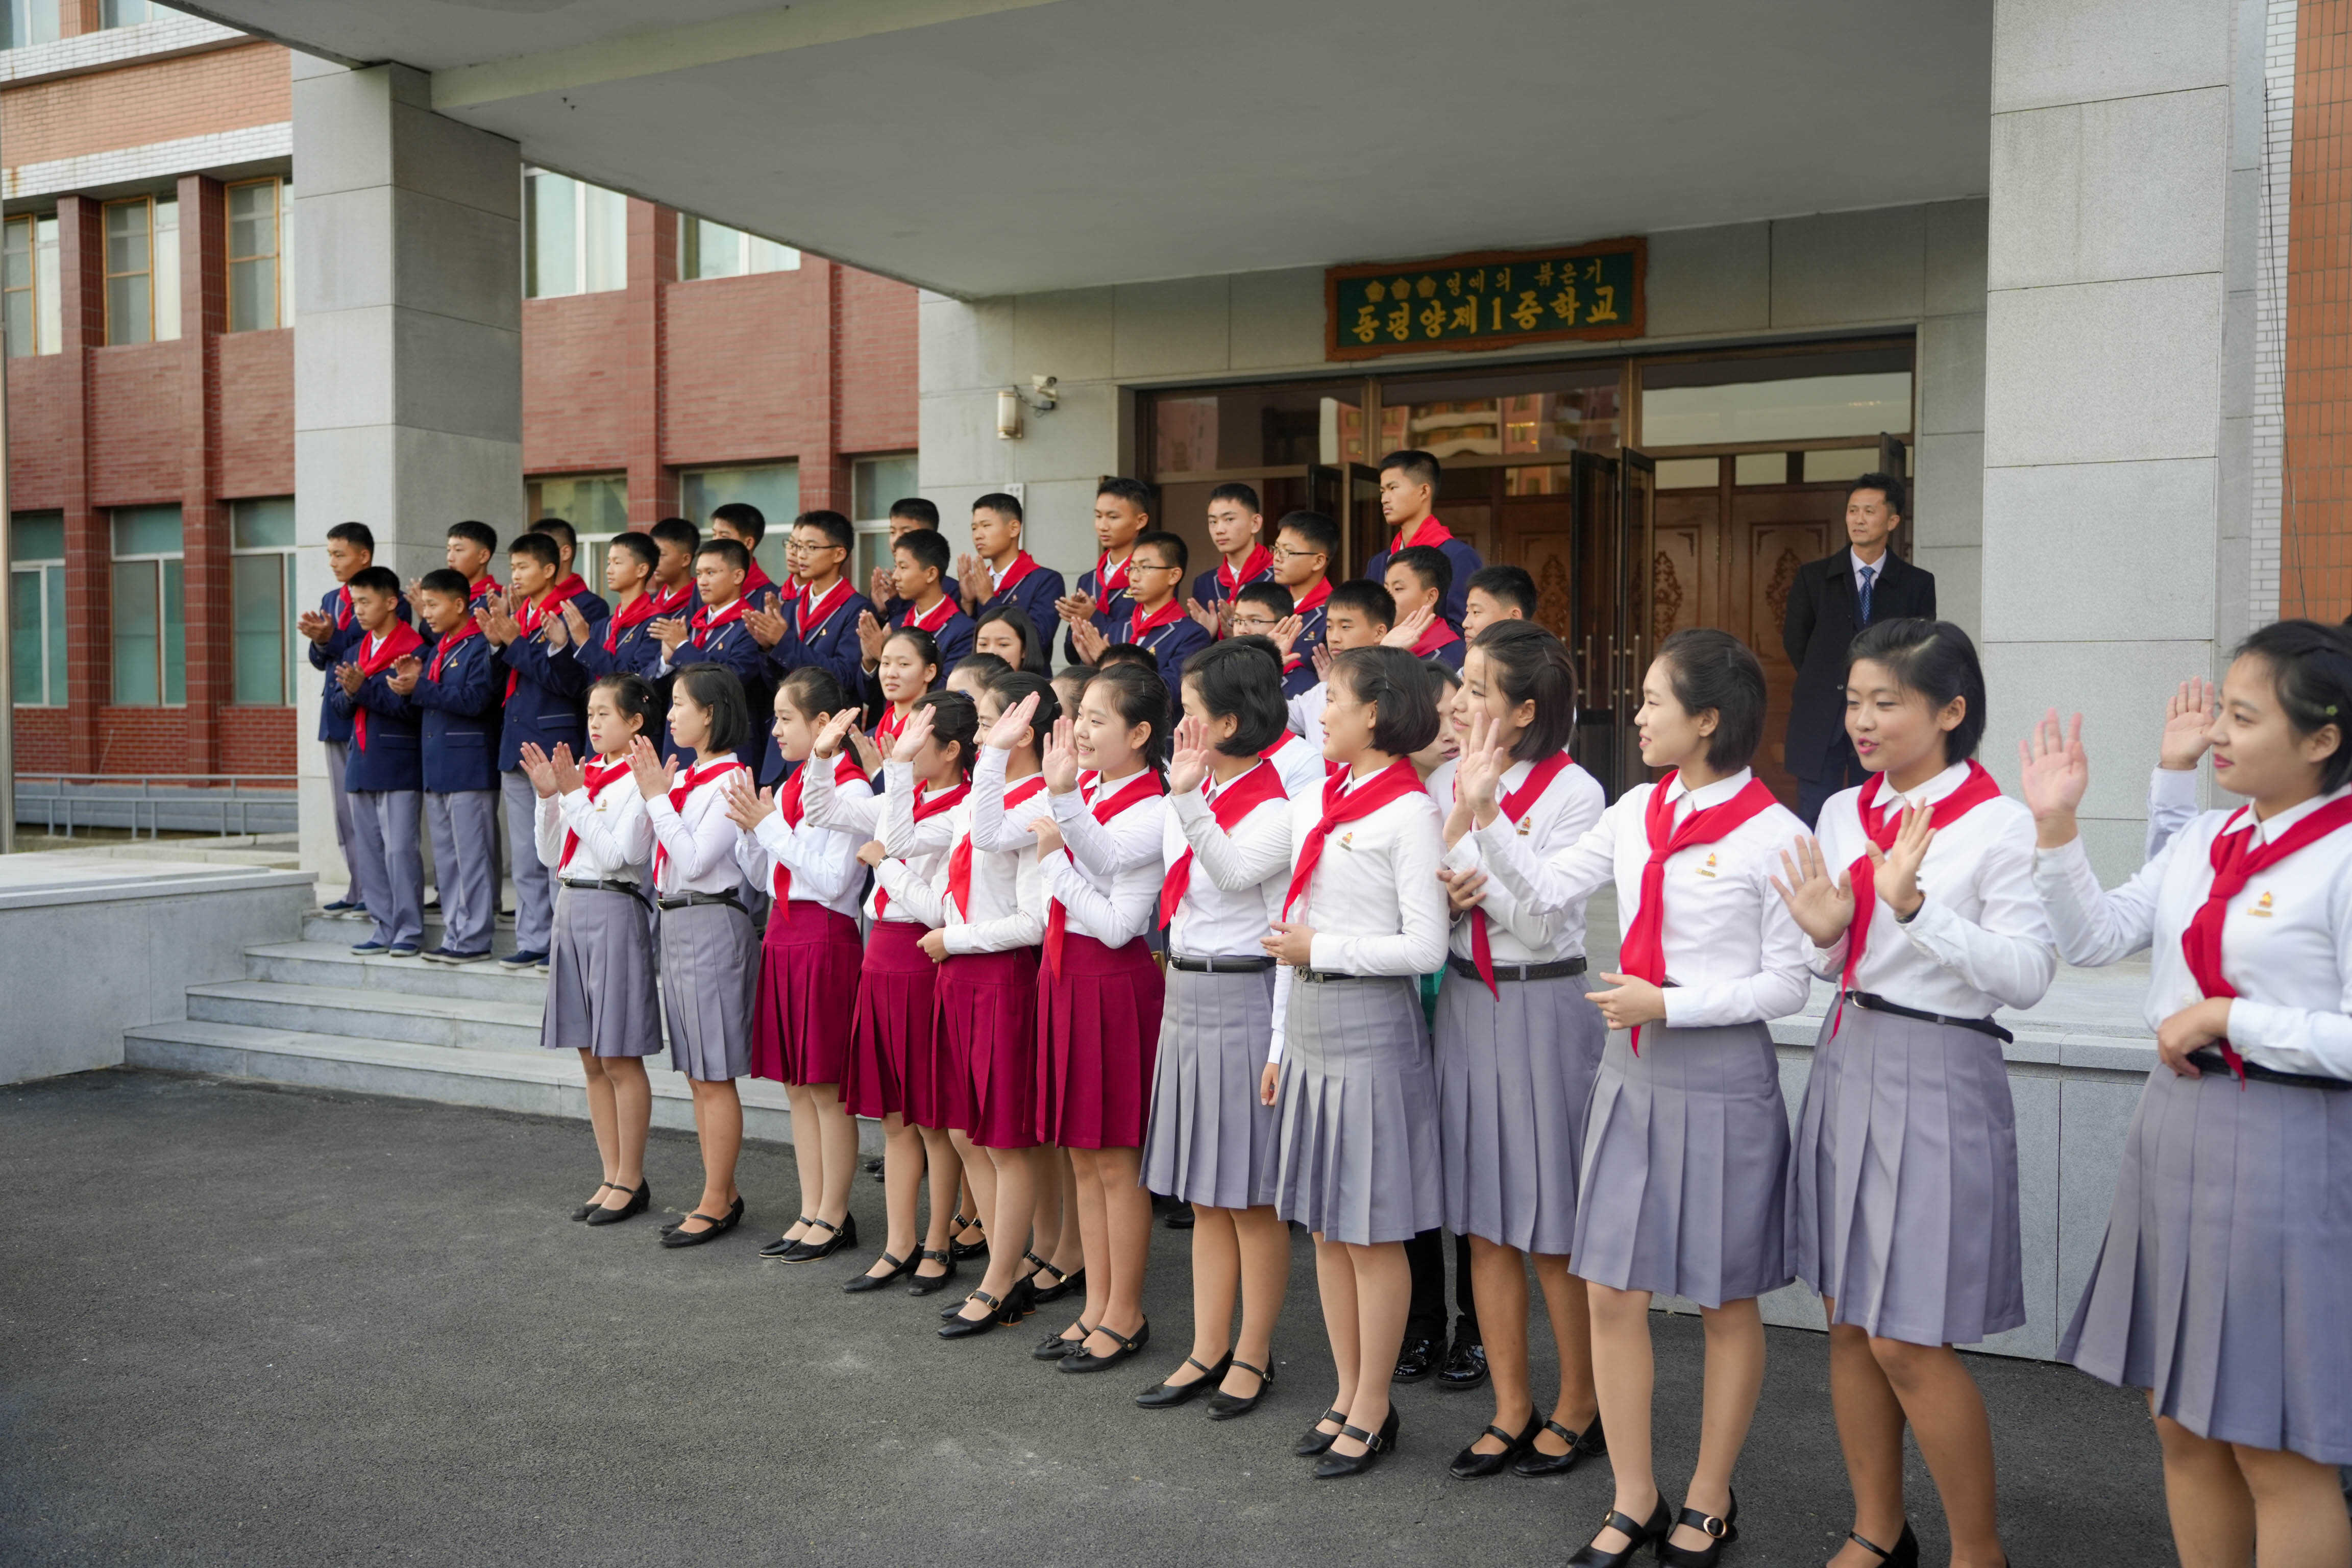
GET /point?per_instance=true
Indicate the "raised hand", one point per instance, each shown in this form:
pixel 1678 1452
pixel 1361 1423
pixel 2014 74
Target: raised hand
pixel 566 768
pixel 1407 631
pixel 1188 767
pixel 1013 724
pixel 878 587
pixel 314 624
pixel 1089 640
pixel 1896 870
pixel 972 576
pixel 912 734
pixel 1286 634
pixel 1060 762
pixel 2054 773
pixel 2188 725
pixel 1478 771
pixel 871 635
pixel 869 756
pixel 671 633
pixel 747 805
pixel 1823 909
pixel 835 730
pixel 556 630
pixel 1322 661
pixel 654 776
pixel 540 770
pixel 1205 616
pixel 767 625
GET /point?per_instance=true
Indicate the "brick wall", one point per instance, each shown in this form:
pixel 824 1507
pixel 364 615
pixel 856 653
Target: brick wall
pixel 148 101
pixel 257 414
pixel 2316 511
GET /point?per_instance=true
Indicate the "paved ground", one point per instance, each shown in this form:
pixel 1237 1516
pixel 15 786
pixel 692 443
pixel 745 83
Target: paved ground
pixel 246 1326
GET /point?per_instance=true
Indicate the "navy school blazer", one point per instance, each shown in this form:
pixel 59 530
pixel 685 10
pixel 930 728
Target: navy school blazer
pixel 1107 611
pixel 1464 561
pixel 460 717
pixel 734 647
pixel 1034 596
pixel 1170 647
pixel 392 758
pixel 335 650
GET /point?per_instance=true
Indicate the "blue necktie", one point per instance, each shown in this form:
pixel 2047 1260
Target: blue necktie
pixel 1867 574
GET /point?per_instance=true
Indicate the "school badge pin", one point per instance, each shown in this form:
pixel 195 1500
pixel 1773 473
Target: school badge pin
pixel 1708 869
pixel 1347 840
pixel 2261 909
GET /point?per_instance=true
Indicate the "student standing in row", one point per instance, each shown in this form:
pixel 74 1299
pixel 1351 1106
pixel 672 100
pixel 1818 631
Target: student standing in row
pixel 1154 620
pixel 2224 1284
pixel 820 625
pixel 1682 1187
pixel 456 690
pixel 1304 545
pixel 624 644
pixel 1000 574
pixel 1234 521
pixel 715 633
pixel 1122 515
pixel 1902 1196
pixel 469 550
pixel 908 516
pixel 1408 493
pixel 1497 594
pixel 919 564
pixel 746 525
pixel 333 630
pixel 1360 614
pixel 384 775
pixel 675 540
pixel 1419 578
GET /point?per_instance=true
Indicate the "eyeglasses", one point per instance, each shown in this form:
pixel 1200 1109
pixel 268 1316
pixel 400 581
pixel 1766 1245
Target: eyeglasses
pixel 1286 553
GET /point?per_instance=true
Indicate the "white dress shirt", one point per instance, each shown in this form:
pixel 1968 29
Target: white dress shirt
pixel 697 839
pixel 2286 937
pixel 2171 805
pixel 1731 947
pixel 1234 891
pixel 1518 932
pixel 1877 570
pixel 1107 876
pixel 616 837
pixel 1981 940
pixel 864 818
pixel 993 826
pixel 1008 904
pixel 1307 715
pixel 1300 762
pixel 823 860
pixel 1374 901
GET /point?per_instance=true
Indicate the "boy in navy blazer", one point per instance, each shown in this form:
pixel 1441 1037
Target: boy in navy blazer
pixel 623 643
pixel 1155 620
pixel 1420 579
pixel 818 625
pixel 333 630
pixel 715 633
pixel 543 708
pixel 1122 514
pixel 908 514
pixel 999 571
pixel 383 774
pixel 1235 520
pixel 452 688
pixel 919 568
pixel 1306 543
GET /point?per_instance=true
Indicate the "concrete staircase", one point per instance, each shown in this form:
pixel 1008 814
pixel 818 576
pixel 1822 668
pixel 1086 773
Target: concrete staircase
pixel 311 1011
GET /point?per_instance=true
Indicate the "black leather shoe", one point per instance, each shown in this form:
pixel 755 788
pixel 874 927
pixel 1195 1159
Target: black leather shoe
pixel 1417 1361
pixel 1223 1406
pixel 958 1327
pixel 1470 1465
pixel 1315 1441
pixel 959 1250
pixel 1336 1464
pixel 635 1205
pixel 1639 1533
pixel 1063 1283
pixel 931 1284
pixel 1054 1347
pixel 1168 1396
pixel 1181 1217
pixel 1904 1553
pixel 1465 1368
pixel 592 1204
pixel 720 1225
pixel 1721 1533
pixel 1083 1360
pixel 864 1282
pixel 837 1236
pixel 1580 1445
pixel 785 1244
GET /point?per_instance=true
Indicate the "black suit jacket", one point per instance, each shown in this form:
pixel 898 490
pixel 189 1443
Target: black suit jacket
pixel 1824 616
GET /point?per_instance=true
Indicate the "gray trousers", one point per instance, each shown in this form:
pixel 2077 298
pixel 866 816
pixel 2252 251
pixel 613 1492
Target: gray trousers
pixel 337 753
pixel 465 828
pixel 534 883
pixel 388 863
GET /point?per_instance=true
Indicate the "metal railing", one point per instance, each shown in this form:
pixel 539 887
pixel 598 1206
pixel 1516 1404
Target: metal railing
pixel 178 802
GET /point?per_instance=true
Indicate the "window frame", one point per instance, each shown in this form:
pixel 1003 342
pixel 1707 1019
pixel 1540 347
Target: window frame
pixel 161 562
pixel 871 546
pixel 581 228
pixel 689 251
pixel 43 570
pixel 588 558
pixel 274 256
pixel 162 281
pixel 291 656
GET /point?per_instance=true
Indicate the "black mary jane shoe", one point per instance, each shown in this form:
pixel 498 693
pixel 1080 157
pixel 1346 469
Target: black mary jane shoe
pixel 720 1225
pixel 592 1204
pixel 1904 1553
pixel 960 1250
pixel 1583 1445
pixel 1063 1283
pixel 1470 1465
pixel 1720 1532
pixel 638 1199
pixel 1315 1441
pixel 1336 1464
pixel 920 1284
pixel 1637 1534
pixel 958 1327
pixel 837 1236
pixel 1223 1406
pixel 864 1282
pixel 1169 1395
pixel 1055 1347
pixel 1083 1360
pixel 783 1245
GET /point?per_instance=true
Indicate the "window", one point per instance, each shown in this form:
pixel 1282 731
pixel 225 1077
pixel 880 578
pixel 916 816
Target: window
pixel 142 269
pixel 774 488
pixel 256 276
pixel 596 505
pixel 261 591
pixel 1779 397
pixel 151 663
pixel 37 608
pixel 575 236
pixel 874 484
pixel 30 273
pixel 130 13
pixel 707 249
pixel 31 22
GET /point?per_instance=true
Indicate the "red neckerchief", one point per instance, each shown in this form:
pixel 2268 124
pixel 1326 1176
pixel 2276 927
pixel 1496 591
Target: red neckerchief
pixel 755 579
pixel 926 807
pixel 344 608
pixel 1974 790
pixel 466 628
pixel 1143 786
pixel 960 859
pixel 1104 586
pixel 1428 530
pixel 1514 807
pixel 488 585
pixel 1436 637
pixel 1228 803
pixel 2236 860
pixel 707 621
pixel 570 587
pixel 526 616
pixel 669 601
pixel 399 642
pixel 1342 806
pixel 1141 626
pixel 1023 565
pixel 893 721
pixel 788 803
pixel 635 612
pixel 1643 952
pixel 813 614
pixel 1314 600
pixel 694 778
pixel 938 614
pixel 595 776
pixel 1259 562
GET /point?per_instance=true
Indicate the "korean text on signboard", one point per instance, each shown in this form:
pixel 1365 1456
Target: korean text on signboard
pixel 1487 301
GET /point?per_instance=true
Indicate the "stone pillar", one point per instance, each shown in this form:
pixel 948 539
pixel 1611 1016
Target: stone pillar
pixel 2108 372
pixel 408 352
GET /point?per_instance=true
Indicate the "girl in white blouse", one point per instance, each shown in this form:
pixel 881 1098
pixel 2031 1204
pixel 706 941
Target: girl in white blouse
pixel 1902 1196
pixel 809 958
pixel 2224 1283
pixel 710 950
pixel 592 834
pixel 1685 1146
pixel 1364 919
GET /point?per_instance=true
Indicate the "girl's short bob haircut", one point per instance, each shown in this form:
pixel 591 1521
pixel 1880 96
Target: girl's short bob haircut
pixel 1394 681
pixel 633 697
pixel 1244 681
pixel 1936 659
pixel 716 690
pixel 1713 670
pixel 1531 665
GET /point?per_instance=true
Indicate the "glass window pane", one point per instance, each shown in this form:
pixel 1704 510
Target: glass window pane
pixel 147 529
pixel 262 524
pixel 25 637
pixel 1843 463
pixel 286 275
pixel 44 286
pixel 18 326
pixel 253 295
pixel 167 269
pixel 256 586
pixel 32 22
pixel 19 253
pixel 126 237
pixel 128 13
pixel 175 633
pixel 1251 428
pixel 605 239
pixel 1783 397
pixel 876 482
pixel 1760 468
pixel 718 249
pixel 54 578
pixel 127 317
pixel 138 628
pixel 591 503
pixel 253 219
pixel 295 657
pixel 1689 473
pixel 37 536
pixel 767 256
pixel 774 488
pixel 552 211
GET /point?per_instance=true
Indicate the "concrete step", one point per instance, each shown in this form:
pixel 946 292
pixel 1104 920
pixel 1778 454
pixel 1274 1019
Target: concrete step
pixel 367 1015
pixel 334 964
pixel 316 927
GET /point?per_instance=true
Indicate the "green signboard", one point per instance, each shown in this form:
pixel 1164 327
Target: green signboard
pixel 1488 300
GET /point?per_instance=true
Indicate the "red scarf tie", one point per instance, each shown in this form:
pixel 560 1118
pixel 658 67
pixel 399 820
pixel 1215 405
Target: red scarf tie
pixel 1428 530
pixel 527 616
pixel 669 601
pixel 707 621
pixel 2236 860
pixel 398 643
pixel 1228 803
pixel 1882 829
pixel 1140 626
pixel 1259 562
pixel 694 778
pixel 1514 807
pixel 932 619
pixel 1436 635
pixel 637 611
pixel 1342 806
pixel 344 608
pixel 479 591
pixel 1143 786
pixel 887 731
pixel 596 775
pixel 755 580
pixel 1314 601
pixel 1643 952
pixel 813 612
pixel 788 803
pixel 1023 565
pixel 927 806
pixel 959 859
pixel 467 628
pixel 1104 587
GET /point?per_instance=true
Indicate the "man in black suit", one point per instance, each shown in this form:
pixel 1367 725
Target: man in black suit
pixel 1833 600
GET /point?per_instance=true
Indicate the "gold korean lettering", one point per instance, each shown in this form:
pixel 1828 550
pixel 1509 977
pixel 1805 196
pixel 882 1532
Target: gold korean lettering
pixel 1604 304
pixel 1502 278
pixel 1543 276
pixel 1432 319
pixel 1465 317
pixel 1454 283
pixel 1374 292
pixel 1366 325
pixel 1478 279
pixel 1400 322
pixel 1592 273
pixel 1527 312
pixel 1563 304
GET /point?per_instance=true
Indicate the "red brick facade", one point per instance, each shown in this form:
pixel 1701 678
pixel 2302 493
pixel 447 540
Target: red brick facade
pixel 2315 524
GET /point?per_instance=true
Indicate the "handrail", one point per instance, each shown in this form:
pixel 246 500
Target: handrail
pixel 281 780
pixel 101 795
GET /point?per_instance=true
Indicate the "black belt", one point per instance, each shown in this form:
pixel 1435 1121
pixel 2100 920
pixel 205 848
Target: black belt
pixel 604 885
pixel 1333 976
pixel 1559 969
pixel 688 900
pixel 1226 965
pixel 2210 1060
pixel 1877 1004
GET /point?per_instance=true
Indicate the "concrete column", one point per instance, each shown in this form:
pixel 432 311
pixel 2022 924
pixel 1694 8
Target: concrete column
pixel 408 355
pixel 653 268
pixel 2106 370
pixel 204 516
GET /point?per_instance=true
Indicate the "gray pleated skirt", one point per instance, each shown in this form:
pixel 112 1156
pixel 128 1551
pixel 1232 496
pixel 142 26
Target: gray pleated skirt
pixel 1682 1189
pixel 1209 1141
pixel 709 977
pixel 1357 1110
pixel 600 976
pixel 1515 1075
pixel 2224 1284
pixel 1903 1190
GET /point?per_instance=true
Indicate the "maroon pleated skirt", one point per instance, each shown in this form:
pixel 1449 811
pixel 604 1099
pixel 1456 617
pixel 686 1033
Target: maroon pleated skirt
pixel 897 1022
pixel 1098 1034
pixel 988 1006
pixel 809 959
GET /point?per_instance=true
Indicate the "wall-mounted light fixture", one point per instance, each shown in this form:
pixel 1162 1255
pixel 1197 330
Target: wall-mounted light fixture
pixel 1043 393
